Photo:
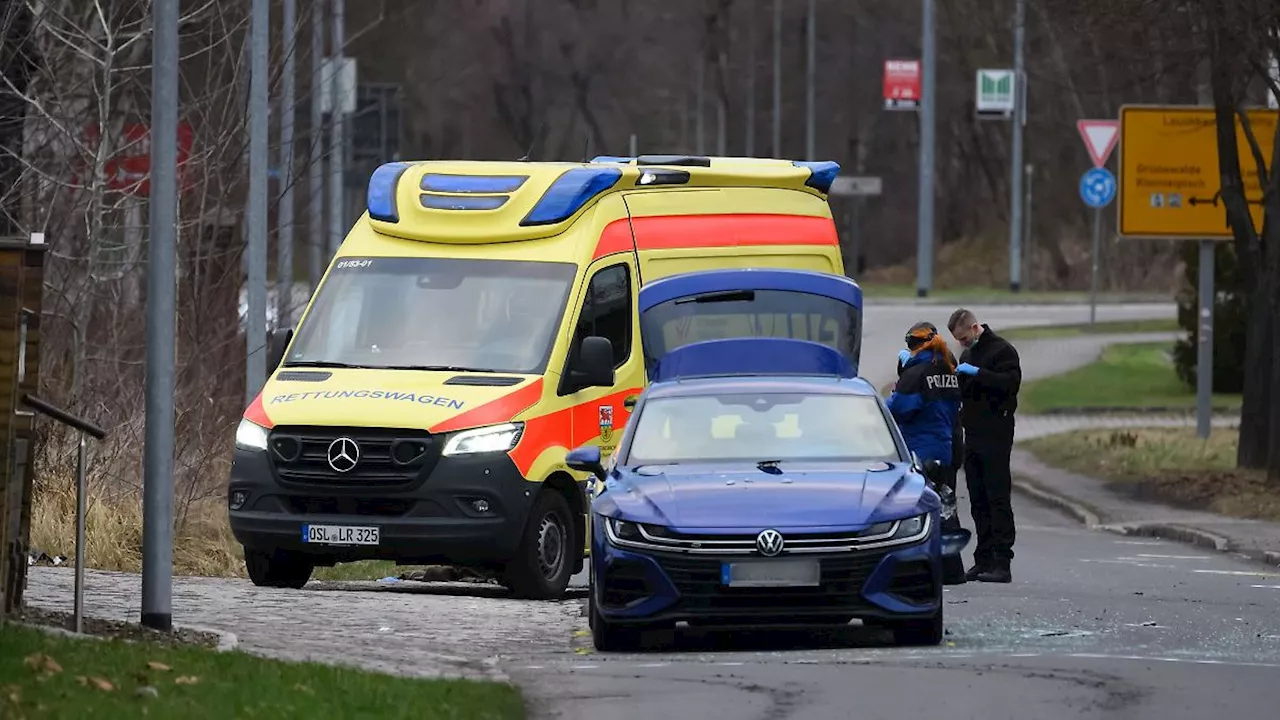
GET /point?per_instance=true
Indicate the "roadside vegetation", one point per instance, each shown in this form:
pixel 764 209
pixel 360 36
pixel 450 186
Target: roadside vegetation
pixel 1139 376
pixel 1116 327
pixel 1165 465
pixel 47 676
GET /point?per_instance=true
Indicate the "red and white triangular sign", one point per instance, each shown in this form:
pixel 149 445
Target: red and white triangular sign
pixel 1099 138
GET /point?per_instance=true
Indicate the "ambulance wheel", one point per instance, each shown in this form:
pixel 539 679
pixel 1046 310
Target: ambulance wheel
pixel 277 569
pixel 543 563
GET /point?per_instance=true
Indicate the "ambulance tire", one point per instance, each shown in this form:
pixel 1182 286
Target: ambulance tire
pixel 277 569
pixel 543 563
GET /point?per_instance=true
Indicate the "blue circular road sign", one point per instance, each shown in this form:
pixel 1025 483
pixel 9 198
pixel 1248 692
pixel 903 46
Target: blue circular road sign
pixel 1098 187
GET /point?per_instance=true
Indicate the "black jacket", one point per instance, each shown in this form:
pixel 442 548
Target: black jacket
pixel 990 398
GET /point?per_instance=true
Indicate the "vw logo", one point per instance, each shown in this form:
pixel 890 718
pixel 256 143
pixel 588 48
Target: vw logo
pixel 343 454
pixel 769 543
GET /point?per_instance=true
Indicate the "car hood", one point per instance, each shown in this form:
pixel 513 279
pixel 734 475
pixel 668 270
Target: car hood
pixel 700 497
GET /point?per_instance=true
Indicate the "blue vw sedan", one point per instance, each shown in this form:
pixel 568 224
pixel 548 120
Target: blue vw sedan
pixel 785 496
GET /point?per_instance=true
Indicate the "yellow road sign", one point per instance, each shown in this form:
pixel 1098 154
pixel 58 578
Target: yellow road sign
pixel 1169 180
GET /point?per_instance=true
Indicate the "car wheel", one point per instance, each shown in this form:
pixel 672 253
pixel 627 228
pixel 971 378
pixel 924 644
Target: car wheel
pixel 543 565
pixel 609 637
pixel 277 569
pixel 919 632
pixel 953 570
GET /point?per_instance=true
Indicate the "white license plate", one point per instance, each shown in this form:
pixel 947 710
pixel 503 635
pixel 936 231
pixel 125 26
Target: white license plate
pixel 339 535
pixel 772 573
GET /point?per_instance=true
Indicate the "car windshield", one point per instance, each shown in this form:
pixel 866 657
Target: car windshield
pixel 445 313
pixel 760 427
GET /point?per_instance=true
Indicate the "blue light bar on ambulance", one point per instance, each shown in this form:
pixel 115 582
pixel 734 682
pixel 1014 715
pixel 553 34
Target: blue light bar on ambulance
pixel 569 193
pixel 381 195
pixel 821 174
pixel 434 182
pixel 462 202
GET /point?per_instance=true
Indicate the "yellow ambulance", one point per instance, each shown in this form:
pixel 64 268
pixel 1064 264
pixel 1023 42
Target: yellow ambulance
pixel 477 323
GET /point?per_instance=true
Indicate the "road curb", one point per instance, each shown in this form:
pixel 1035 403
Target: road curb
pixel 1185 534
pixel 1079 511
pixel 227 641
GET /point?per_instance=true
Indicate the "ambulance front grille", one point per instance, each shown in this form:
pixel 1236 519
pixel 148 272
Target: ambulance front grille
pixel 365 457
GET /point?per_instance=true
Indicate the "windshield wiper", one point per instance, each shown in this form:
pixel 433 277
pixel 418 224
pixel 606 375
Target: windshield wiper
pixel 769 466
pixel 320 364
pixel 442 368
pixel 723 296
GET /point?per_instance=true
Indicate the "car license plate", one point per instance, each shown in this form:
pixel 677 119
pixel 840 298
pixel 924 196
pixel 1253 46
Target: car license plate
pixel 772 573
pixel 339 535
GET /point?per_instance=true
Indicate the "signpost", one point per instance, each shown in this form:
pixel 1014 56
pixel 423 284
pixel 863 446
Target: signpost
pixel 901 84
pixel 1169 189
pixel 846 185
pixel 1097 189
pixel 995 97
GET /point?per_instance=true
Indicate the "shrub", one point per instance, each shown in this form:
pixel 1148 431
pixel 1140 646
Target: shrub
pixel 1230 315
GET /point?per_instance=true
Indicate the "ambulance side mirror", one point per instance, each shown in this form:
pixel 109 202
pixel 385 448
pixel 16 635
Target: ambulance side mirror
pixel 279 343
pixel 594 365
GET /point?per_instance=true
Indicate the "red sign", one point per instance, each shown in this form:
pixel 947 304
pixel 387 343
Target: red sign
pixel 129 169
pixel 901 84
pixel 1100 138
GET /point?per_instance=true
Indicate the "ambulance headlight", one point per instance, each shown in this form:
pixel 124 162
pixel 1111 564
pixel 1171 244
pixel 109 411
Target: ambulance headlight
pixel 251 436
pixel 495 438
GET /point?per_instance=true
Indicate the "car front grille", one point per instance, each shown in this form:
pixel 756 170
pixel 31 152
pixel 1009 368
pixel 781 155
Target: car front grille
pixel 697 579
pixel 386 457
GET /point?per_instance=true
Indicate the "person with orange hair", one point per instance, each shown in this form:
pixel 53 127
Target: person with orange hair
pixel 926 400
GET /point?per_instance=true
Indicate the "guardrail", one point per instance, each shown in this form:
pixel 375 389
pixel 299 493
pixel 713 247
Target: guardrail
pixel 85 428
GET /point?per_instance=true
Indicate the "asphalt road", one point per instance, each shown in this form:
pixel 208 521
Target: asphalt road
pixel 1094 625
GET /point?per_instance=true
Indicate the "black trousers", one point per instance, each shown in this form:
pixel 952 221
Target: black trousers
pixel 986 473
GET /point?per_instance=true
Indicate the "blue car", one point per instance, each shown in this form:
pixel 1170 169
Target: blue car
pixel 760 481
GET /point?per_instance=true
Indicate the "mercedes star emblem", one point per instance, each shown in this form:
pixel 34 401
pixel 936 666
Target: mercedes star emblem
pixel 344 453
pixel 769 543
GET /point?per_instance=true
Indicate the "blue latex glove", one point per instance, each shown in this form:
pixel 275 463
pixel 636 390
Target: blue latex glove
pixel 903 357
pixel 967 369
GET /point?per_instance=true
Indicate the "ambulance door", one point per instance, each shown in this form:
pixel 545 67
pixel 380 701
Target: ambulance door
pixel 608 310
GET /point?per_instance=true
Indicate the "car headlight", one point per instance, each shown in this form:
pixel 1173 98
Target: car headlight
pixel 251 436
pixel 625 530
pixel 496 438
pixel 910 527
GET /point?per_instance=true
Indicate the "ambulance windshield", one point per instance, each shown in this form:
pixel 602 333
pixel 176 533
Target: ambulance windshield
pixel 435 313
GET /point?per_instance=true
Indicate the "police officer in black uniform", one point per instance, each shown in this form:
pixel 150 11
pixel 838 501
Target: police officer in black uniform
pixel 990 378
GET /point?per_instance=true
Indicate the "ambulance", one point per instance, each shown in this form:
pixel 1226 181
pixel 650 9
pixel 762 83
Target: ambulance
pixel 480 321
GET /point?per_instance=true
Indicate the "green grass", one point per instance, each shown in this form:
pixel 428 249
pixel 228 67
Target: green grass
pixel 1165 464
pixel 46 676
pixel 1112 327
pixel 1133 376
pixel 363 570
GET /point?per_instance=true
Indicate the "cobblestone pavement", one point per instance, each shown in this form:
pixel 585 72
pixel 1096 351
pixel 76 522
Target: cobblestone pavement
pixel 445 630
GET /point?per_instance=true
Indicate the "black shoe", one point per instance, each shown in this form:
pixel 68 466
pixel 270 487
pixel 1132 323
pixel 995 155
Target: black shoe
pixel 973 572
pixel 998 573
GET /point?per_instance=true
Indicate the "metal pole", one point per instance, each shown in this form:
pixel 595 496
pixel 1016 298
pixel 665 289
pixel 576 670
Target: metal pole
pixel 631 146
pixel 1204 354
pixel 256 219
pixel 924 210
pixel 810 73
pixel 749 147
pixel 722 130
pixel 157 453
pixel 1027 241
pixel 284 238
pixel 315 221
pixel 337 149
pixel 1015 163
pixel 1093 281
pixel 777 78
pixel 700 126
pixel 78 610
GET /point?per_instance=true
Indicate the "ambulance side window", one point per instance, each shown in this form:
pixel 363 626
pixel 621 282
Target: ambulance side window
pixel 606 312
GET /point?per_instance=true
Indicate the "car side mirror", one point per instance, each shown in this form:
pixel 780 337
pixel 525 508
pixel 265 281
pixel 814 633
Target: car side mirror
pixel 594 365
pixel 586 459
pixel 280 339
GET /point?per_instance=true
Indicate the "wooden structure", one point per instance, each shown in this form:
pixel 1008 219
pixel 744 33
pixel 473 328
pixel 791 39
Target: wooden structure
pixel 21 286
